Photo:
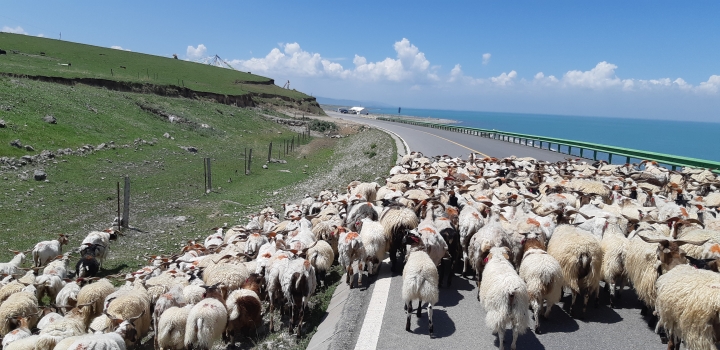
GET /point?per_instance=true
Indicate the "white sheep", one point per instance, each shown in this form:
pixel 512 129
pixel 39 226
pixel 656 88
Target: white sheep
pixel 45 251
pixel 73 324
pixel 20 303
pixel 542 275
pixel 23 331
pixel 614 248
pixel 93 295
pixel 173 298
pixel 321 256
pixel 49 285
pixel 171 328
pixel 117 340
pixel 58 267
pixel 206 320
pixel 352 251
pixel 469 221
pixel 504 296
pixel 420 281
pixel 688 306
pixel 580 256
pixel 375 243
pixel 397 220
pixel 23 344
pixel 67 296
pixel 130 304
pixel 13 266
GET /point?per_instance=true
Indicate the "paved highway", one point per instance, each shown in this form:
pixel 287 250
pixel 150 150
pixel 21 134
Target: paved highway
pixel 459 319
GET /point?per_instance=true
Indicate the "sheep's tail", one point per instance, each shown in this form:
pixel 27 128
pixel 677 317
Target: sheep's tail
pixel 584 265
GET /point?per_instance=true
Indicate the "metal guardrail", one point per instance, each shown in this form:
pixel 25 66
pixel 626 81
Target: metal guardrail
pixel 543 142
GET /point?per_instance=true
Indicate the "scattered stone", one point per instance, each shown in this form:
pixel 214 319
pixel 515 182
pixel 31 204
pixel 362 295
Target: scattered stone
pixel 2 123
pixel 16 143
pixel 205 126
pixel 101 146
pixel 264 166
pixel 284 171
pixel 50 119
pixel 167 136
pixel 29 148
pixel 27 159
pixel 190 149
pixel 40 175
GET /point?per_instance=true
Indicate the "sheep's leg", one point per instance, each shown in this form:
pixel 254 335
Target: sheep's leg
pixel 516 332
pixel 272 308
pixel 441 272
pixel 536 313
pixel 430 318
pixel 348 280
pixel 360 273
pixel 611 289
pixel 465 261
pixel 597 297
pixel 548 307
pixel 586 298
pixel 408 313
pixel 501 337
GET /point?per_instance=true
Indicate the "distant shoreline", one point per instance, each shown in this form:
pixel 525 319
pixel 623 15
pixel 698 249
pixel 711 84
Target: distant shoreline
pixel 334 108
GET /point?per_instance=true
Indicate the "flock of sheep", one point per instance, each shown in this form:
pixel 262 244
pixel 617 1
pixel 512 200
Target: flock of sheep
pixel 528 229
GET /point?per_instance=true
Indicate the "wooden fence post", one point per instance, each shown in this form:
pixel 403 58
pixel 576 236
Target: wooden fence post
pixel 119 218
pixel 269 152
pixel 208 176
pixel 126 204
pixel 249 161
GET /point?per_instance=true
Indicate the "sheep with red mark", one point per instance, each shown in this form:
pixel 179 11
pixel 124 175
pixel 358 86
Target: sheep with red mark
pixel 23 331
pixel 20 303
pixel 504 296
pixel 171 328
pixel 45 251
pixel 420 280
pixel 352 252
pixel 125 333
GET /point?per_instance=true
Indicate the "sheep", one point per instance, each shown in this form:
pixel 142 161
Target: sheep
pixel 67 296
pixel 45 251
pixel 397 219
pixel 49 285
pixel 321 256
pixel 13 266
pixel 273 280
pixel 93 295
pixel 504 296
pixel 687 306
pixel 614 248
pixel 542 275
pixel 193 294
pixel 47 319
pixel 10 289
pixel 100 239
pixel 469 222
pixel 351 251
pixel 58 267
pixel 206 320
pixel 374 242
pixel 20 303
pixel 134 302
pixel 73 324
pixel 580 256
pixel 232 276
pixel 171 328
pixel 23 331
pixel 173 298
pixel 298 284
pixel 89 264
pixel 124 334
pixel 27 343
pixel 420 281
pixel 244 308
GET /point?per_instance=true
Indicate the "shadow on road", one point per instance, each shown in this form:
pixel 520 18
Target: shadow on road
pixel 525 341
pixel 450 296
pixel 444 326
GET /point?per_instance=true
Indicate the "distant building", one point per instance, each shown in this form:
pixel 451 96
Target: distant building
pixel 359 110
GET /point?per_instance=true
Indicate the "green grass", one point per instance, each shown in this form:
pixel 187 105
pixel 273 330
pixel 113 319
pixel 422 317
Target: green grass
pixel 166 181
pixel 87 61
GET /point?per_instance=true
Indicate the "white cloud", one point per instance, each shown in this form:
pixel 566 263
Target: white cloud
pixel 41 35
pixel 602 76
pixel 16 30
pixel 711 85
pixel 116 47
pixel 504 79
pixel 486 58
pixel 196 53
pixel 410 64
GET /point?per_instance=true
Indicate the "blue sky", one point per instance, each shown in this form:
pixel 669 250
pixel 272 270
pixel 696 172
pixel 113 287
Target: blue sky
pixel 639 59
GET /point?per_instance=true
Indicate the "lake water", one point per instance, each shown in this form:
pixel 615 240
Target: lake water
pixel 690 139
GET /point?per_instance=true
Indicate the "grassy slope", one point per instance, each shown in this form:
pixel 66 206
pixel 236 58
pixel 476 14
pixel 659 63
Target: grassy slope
pixel 89 61
pixel 166 180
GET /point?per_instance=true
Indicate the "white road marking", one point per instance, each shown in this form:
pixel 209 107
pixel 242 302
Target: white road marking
pixel 370 331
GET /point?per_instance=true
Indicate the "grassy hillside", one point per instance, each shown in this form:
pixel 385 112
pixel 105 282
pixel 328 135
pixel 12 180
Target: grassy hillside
pixel 55 58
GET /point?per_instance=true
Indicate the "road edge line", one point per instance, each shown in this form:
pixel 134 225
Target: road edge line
pixel 372 323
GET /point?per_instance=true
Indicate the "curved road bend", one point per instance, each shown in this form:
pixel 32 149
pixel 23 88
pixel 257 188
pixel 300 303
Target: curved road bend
pixel 432 142
pixel 459 319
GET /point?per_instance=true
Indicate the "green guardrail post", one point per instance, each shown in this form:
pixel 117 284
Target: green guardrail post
pixel 609 158
pixel 569 150
pixel 581 153
pixel 594 155
pixel 540 144
pixel 627 161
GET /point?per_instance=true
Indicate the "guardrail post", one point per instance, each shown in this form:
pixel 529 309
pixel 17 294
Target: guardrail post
pixel 569 150
pixel 609 158
pixel 594 155
pixel 581 152
pixel 628 161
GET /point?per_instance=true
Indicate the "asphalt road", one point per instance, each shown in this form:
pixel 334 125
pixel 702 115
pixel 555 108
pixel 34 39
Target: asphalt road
pixel 459 319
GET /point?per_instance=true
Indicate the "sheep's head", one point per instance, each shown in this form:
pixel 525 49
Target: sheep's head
pixel 126 328
pixel 669 252
pixel 497 251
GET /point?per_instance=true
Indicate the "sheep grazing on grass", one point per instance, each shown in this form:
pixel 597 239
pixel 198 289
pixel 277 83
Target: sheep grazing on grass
pixel 580 256
pixel 100 240
pixel 542 275
pixel 45 251
pixel 207 320
pixel 504 296
pixel 352 251
pixel 420 280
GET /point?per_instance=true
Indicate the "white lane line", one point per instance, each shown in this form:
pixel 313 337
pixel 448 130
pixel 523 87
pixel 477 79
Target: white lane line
pixel 370 331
